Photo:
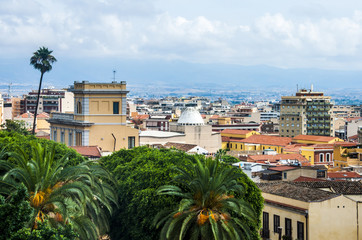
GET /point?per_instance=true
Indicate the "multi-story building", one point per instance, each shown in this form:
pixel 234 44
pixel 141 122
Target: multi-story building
pixel 99 118
pixel 345 111
pixel 306 113
pixel 311 210
pixel 50 100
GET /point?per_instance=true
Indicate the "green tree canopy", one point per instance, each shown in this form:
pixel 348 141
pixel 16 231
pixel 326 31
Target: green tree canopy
pixel 208 208
pixel 81 195
pixel 139 173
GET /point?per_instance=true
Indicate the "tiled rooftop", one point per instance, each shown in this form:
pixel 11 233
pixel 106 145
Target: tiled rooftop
pixel 297 192
pixel 181 146
pixel 88 151
pixel 339 187
pixel 267 140
pixel 314 138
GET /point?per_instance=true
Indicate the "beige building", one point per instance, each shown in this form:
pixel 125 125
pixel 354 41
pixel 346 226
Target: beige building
pixel 306 113
pixel 99 118
pixel 189 129
pixel 303 211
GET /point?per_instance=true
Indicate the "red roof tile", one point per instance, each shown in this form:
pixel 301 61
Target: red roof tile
pixel 235 131
pixel 26 115
pixel 353 118
pixel 344 175
pixel 276 158
pixel 267 140
pixel 88 151
pixel 308 179
pixel 314 138
pixel 43 115
pixel 281 168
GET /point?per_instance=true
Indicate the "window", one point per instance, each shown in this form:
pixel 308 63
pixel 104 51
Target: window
pixel 288 227
pixel 78 139
pixel 321 157
pixel 55 135
pixel 265 233
pixel 276 223
pixel 70 140
pixel 62 137
pixel 300 231
pixel 328 157
pixel 131 142
pixel 284 175
pixel 79 107
pixel 115 107
pixel 292 119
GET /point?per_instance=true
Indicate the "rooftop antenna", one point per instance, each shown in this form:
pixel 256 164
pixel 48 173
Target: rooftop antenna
pixel 9 89
pixel 311 87
pixel 297 88
pixel 114 75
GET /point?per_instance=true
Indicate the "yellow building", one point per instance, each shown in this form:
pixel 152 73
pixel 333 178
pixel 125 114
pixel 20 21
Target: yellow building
pixel 99 118
pixel 259 143
pixel 312 139
pixel 300 211
pixel 348 155
pixel 228 134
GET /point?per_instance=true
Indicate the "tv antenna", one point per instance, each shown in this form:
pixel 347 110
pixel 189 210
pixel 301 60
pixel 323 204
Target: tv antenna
pixel 114 75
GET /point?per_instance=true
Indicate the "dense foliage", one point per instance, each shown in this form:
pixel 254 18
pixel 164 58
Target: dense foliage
pixel 12 141
pixel 15 215
pixel 82 195
pixel 15 126
pixel 139 173
pixel 208 208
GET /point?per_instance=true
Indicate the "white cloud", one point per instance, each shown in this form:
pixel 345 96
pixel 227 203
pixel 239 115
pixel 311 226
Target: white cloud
pixel 137 29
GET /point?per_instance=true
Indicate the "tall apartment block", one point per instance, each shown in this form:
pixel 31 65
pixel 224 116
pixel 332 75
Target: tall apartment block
pixel 99 118
pixel 51 100
pixel 306 113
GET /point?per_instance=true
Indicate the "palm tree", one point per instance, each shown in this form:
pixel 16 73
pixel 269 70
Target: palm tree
pixel 41 60
pixel 82 195
pixel 210 207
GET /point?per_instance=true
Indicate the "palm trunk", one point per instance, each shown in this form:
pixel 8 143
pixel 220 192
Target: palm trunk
pixel 37 103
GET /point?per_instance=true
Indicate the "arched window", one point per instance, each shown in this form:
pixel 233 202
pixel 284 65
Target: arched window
pixel 79 107
pixel 321 157
pixel 328 157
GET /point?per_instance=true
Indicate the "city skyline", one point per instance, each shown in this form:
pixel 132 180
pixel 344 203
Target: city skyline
pixel 258 43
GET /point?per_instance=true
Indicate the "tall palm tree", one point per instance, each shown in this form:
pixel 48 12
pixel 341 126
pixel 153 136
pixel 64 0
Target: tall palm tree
pixel 41 60
pixel 209 208
pixel 82 195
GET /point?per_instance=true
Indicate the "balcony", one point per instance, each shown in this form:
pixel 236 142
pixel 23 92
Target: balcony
pixel 67 119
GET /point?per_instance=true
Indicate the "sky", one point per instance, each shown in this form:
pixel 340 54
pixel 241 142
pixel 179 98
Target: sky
pixel 104 34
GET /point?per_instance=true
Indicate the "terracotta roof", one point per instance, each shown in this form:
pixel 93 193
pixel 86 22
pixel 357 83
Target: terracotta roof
pixel 276 158
pixel 340 187
pixel 181 146
pixel 26 115
pixel 43 115
pixel 88 151
pixel 314 138
pixel 214 117
pixel 225 139
pixel 267 140
pixel 297 192
pixel 354 118
pixel 142 116
pixel 282 168
pixel 235 131
pixel 308 179
pixel 294 147
pixel 344 175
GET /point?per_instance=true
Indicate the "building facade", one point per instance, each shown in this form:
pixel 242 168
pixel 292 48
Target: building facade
pixel 306 113
pixel 99 118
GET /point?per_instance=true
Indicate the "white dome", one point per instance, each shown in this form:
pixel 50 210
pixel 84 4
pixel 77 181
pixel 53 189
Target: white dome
pixel 190 117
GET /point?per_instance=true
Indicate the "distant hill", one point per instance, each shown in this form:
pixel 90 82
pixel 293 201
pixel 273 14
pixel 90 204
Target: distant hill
pixel 176 74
